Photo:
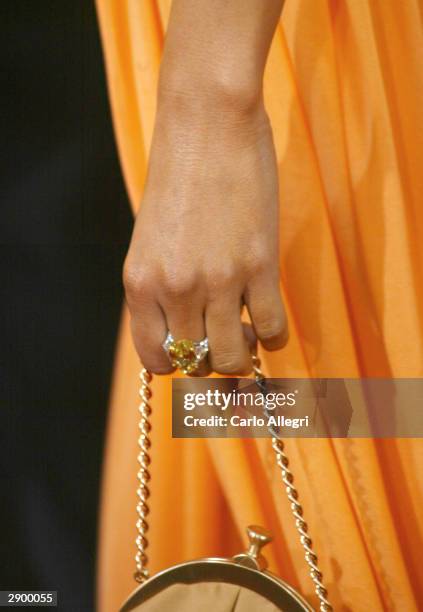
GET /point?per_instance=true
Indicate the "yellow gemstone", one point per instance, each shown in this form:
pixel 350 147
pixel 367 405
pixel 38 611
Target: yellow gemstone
pixel 183 355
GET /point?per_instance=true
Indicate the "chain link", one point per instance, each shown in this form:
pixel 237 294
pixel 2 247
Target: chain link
pixel 143 492
pixel 296 508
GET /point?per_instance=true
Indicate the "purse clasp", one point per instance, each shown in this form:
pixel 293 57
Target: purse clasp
pixel 252 557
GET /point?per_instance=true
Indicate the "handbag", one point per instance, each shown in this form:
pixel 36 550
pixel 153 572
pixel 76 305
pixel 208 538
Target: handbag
pixel 238 584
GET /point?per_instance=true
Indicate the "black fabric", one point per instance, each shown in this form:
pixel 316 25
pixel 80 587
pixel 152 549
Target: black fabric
pixel 64 228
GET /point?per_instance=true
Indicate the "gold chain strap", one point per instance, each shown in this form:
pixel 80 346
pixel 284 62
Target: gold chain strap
pixel 297 510
pixel 143 493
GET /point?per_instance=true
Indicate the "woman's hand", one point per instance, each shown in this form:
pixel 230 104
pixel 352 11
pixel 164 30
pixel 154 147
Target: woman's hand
pixel 206 237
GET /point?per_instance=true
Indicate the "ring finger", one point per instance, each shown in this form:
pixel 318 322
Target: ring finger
pixel 185 320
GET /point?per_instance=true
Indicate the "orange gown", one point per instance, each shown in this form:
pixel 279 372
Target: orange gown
pixel 344 91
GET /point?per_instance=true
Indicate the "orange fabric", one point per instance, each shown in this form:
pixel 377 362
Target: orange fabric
pixel 344 90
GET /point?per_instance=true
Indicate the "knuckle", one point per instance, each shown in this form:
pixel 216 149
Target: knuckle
pixel 179 285
pixel 155 363
pixel 270 328
pixel 257 265
pixel 229 364
pixel 258 260
pixel 161 369
pixel 220 281
pixel 136 280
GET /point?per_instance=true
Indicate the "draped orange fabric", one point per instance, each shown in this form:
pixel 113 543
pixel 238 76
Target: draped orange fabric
pixel 344 91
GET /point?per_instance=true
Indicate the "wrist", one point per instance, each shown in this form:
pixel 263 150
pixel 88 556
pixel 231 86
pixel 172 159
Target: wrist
pixel 210 89
pixel 198 118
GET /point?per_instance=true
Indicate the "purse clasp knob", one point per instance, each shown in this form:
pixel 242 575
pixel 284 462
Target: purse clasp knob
pixel 258 537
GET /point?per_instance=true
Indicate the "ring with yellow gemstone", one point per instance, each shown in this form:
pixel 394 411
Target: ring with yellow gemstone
pixel 185 354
